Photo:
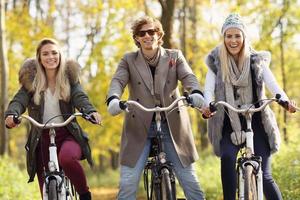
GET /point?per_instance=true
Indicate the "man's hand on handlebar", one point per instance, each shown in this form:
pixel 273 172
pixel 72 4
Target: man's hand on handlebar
pixel 197 100
pixel 114 107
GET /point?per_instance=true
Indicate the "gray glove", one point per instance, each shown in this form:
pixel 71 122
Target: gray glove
pixel 197 100
pixel 114 108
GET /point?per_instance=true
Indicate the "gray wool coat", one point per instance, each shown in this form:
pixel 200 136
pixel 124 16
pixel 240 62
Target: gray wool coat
pixel 215 124
pixel 133 72
pixel 23 100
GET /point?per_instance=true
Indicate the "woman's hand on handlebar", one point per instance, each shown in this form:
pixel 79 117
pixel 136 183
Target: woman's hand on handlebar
pixel 206 113
pixel 291 106
pixel 10 122
pixel 95 118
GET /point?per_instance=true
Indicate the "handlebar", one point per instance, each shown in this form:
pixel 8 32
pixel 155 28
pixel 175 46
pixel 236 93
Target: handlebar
pixel 250 108
pixel 124 105
pixel 17 120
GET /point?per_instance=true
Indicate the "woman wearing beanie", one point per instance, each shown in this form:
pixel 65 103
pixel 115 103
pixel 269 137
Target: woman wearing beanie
pixel 237 74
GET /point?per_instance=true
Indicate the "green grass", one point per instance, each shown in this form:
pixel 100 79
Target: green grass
pixel 286 170
pixel 13 182
pixel 285 165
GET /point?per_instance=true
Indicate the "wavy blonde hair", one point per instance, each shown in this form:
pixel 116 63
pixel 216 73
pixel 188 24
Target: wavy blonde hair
pixel 224 57
pixel 40 84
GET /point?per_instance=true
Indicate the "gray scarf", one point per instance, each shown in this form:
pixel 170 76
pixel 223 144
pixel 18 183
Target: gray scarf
pixel 238 91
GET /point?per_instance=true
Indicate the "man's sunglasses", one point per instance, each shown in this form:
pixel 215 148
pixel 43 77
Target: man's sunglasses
pixel 150 32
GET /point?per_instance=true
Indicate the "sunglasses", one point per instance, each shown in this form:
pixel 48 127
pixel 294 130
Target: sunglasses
pixel 150 32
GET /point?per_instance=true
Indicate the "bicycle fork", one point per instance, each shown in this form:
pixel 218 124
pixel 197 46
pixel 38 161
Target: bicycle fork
pixel 54 171
pixel 255 162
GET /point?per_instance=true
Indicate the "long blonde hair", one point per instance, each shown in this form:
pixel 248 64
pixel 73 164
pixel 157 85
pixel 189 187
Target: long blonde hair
pixel 40 84
pixel 224 57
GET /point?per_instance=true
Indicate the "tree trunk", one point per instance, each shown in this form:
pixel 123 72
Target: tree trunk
pixel 183 28
pixel 283 75
pixel 167 19
pixel 4 80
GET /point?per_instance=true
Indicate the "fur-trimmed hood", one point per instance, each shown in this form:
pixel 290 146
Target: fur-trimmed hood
pixel 28 72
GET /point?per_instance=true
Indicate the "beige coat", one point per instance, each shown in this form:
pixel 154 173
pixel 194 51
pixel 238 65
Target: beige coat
pixel 134 72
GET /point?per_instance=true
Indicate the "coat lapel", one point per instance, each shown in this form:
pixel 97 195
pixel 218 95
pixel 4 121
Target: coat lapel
pixel 162 71
pixel 144 71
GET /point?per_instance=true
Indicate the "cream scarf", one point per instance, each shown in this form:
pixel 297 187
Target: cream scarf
pixel 238 91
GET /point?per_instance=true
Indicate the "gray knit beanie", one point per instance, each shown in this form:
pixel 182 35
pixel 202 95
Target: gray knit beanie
pixel 233 20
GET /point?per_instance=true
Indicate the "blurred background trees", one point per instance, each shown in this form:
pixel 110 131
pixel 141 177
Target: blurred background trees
pixel 97 34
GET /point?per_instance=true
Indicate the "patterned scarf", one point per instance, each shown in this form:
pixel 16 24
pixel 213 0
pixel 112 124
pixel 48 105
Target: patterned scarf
pixel 153 61
pixel 238 92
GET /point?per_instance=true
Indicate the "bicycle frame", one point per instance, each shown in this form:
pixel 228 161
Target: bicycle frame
pixel 248 158
pixel 64 191
pixel 159 163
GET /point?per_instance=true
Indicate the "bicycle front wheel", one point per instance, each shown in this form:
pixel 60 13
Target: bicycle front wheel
pixel 52 192
pixel 71 193
pixel 167 192
pixel 250 183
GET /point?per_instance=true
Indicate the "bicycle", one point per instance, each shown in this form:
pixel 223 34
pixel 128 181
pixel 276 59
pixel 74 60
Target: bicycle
pixel 249 172
pixel 57 185
pixel 162 182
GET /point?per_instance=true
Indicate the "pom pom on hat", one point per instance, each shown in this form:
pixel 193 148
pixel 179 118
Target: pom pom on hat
pixel 233 20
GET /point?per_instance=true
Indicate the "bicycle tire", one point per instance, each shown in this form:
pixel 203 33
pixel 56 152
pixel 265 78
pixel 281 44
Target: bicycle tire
pixel 166 186
pixel 250 183
pixel 52 192
pixel 156 192
pixel 71 193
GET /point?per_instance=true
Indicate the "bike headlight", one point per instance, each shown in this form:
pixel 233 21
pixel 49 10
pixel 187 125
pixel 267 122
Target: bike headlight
pixel 51 166
pixel 162 157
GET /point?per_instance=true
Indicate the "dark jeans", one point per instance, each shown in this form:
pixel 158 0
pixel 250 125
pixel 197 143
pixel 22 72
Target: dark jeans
pixel 228 161
pixel 69 154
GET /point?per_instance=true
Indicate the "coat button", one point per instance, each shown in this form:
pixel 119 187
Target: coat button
pixel 139 83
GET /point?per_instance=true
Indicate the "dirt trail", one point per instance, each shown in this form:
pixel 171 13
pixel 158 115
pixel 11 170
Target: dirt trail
pixel 107 194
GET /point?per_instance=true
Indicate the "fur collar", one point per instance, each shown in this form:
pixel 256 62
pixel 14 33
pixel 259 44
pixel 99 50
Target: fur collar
pixel 28 72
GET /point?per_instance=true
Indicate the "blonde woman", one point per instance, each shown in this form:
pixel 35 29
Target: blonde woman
pixel 50 87
pixel 237 74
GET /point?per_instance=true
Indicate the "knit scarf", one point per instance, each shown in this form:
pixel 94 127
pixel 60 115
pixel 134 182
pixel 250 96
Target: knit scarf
pixel 153 61
pixel 238 92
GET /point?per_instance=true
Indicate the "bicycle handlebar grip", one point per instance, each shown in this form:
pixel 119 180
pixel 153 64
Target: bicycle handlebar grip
pixel 212 107
pixel 284 104
pixel 123 105
pixel 16 119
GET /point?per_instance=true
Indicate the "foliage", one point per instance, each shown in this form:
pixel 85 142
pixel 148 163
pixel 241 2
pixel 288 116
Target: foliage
pixel 97 34
pixel 286 167
pixel 13 182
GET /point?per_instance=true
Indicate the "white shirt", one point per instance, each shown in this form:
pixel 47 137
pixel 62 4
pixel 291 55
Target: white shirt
pixel 51 108
pixel 267 76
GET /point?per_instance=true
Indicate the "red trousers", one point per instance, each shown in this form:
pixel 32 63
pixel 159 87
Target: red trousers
pixel 69 154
